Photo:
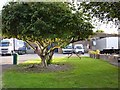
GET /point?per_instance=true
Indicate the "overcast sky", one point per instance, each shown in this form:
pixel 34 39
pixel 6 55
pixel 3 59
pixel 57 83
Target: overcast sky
pixel 107 28
pixel 2 2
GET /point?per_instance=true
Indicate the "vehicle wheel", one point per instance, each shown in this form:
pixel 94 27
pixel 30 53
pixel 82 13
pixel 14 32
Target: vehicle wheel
pixel 22 52
pixel 18 52
pixel 83 53
pixel 11 52
pixel 2 55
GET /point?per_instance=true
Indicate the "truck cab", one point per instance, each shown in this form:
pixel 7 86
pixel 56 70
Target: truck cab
pixel 6 46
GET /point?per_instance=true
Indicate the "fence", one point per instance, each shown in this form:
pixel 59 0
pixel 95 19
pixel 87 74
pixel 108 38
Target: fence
pixel 113 59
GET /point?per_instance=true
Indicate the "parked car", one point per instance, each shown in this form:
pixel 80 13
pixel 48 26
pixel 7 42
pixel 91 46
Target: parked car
pixel 67 50
pixel 77 48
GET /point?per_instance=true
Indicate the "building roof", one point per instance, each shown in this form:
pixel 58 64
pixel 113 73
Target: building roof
pixel 105 35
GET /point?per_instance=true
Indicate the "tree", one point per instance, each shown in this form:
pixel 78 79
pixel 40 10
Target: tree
pixel 108 11
pixel 50 25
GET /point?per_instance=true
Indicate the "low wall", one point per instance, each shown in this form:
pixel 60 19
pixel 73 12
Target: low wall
pixel 115 60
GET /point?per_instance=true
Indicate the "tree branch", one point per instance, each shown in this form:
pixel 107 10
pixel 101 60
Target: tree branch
pixel 30 44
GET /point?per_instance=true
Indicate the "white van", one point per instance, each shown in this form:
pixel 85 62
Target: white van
pixel 78 48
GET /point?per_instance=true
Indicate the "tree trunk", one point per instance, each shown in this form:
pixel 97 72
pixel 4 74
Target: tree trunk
pixel 43 61
pixel 45 58
pixel 43 54
pixel 49 59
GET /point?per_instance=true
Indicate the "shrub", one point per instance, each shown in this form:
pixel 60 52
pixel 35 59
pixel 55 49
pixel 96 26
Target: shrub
pixel 94 52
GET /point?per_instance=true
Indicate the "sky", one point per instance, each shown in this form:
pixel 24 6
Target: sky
pixel 108 28
pixel 2 2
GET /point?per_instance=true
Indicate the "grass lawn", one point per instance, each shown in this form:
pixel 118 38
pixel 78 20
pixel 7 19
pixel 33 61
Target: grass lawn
pixel 85 73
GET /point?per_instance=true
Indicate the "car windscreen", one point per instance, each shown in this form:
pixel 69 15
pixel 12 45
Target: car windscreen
pixel 4 44
pixel 79 47
pixel 68 47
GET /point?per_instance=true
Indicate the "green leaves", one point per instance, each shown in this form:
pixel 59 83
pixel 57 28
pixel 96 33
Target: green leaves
pixel 41 21
pixel 102 10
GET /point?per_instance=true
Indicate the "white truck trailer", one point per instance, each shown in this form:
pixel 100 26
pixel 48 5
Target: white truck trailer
pixel 108 45
pixel 8 46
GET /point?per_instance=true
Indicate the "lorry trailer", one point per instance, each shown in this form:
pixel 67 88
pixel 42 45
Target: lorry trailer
pixel 108 45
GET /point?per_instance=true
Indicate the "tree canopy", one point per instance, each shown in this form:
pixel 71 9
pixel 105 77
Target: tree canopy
pixel 108 11
pixel 45 24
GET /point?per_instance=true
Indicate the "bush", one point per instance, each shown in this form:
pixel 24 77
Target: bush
pixel 97 51
pixel 94 54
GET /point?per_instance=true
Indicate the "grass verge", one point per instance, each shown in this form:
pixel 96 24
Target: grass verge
pixel 85 73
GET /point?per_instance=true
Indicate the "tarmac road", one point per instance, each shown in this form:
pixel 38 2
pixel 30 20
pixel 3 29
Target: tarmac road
pixel 22 58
